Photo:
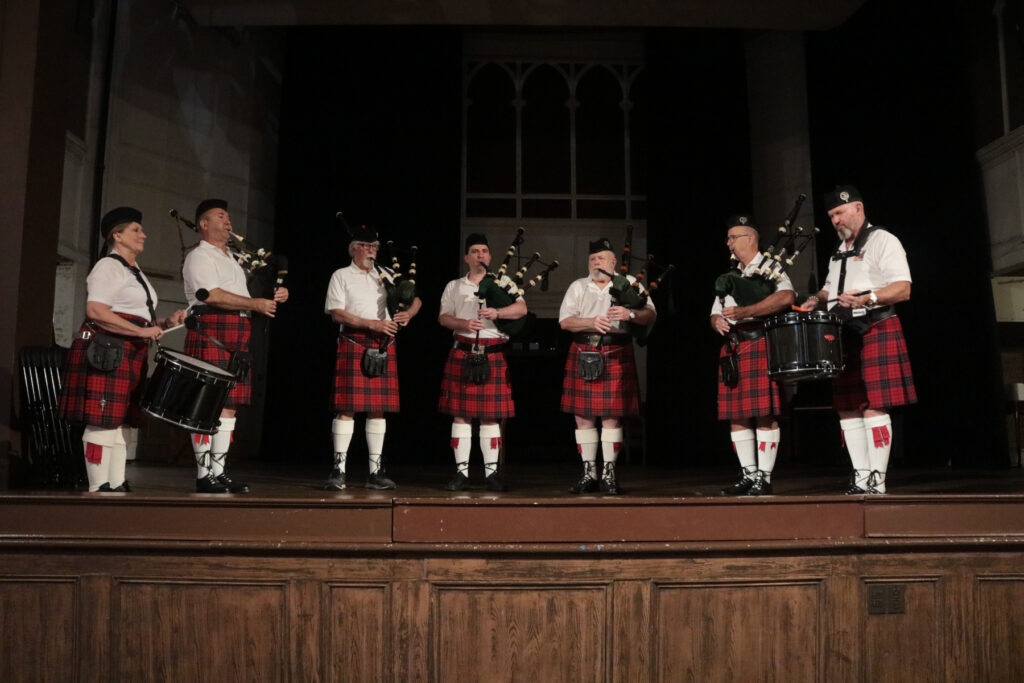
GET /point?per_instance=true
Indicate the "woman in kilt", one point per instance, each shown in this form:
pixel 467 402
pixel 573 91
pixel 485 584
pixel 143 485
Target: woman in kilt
pixel 472 390
pixel 98 390
pixel 751 402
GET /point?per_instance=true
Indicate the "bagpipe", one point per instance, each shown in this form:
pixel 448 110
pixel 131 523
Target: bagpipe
pixel 254 260
pixel 497 292
pixel 789 242
pixel 631 294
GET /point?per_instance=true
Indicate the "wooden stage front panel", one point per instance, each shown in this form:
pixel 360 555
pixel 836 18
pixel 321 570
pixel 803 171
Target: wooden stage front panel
pixel 365 587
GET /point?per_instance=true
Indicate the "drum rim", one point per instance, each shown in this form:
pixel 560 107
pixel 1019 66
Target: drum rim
pixel 172 356
pixel 176 423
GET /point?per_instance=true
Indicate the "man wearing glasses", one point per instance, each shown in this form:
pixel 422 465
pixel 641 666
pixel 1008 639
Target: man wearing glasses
pixel 366 373
pixel 750 399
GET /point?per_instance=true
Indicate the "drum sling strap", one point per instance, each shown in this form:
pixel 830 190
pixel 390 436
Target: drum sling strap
pixel 857 325
pixel 105 352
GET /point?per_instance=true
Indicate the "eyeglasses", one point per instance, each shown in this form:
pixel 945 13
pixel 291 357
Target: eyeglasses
pixel 733 238
pixel 368 245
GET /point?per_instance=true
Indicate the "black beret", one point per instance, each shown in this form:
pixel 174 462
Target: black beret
pixel 115 217
pixel 207 204
pixel 475 238
pixel 599 245
pixel 843 194
pixel 744 219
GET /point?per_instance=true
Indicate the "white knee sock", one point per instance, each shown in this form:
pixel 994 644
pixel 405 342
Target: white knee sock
pixel 878 434
pixel 201 448
pixel 341 431
pixel 219 445
pixel 857 446
pixel 767 450
pixel 118 458
pixel 131 438
pixel 611 443
pixel 98 443
pixel 462 443
pixel 375 428
pixel 743 444
pixel 490 445
pixel 586 444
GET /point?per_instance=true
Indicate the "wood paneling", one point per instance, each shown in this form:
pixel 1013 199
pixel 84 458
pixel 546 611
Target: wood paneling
pixel 356 640
pixel 200 631
pixel 38 621
pixel 903 647
pixel 739 632
pixel 1000 626
pixel 521 632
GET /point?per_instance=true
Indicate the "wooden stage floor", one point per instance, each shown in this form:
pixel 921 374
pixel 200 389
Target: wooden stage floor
pixel 660 510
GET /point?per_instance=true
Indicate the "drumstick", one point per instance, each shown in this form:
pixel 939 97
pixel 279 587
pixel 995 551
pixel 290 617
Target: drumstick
pixel 176 327
pixel 866 291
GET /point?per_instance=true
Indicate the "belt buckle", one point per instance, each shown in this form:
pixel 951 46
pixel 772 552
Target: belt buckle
pixel 594 339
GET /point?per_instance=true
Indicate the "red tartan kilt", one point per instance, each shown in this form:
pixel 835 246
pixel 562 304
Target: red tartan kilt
pixel 489 401
pixel 613 394
pixel 354 392
pixel 879 376
pixel 755 394
pixel 104 399
pixel 233 331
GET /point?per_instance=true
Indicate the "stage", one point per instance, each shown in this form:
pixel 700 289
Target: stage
pixel 668 581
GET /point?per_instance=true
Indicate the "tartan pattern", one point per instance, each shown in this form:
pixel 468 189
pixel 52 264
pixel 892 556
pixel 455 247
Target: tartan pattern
pixel 105 399
pixel 233 331
pixel 613 394
pixel 879 375
pixel 755 394
pixel 354 391
pixel 490 401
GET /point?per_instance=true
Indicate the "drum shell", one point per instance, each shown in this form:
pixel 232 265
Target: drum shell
pixel 804 346
pixel 185 393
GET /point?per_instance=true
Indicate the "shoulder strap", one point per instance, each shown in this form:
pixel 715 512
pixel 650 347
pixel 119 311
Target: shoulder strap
pixel 138 276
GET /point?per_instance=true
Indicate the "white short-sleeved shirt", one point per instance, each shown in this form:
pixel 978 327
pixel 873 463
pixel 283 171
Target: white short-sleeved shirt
pixel 110 283
pixel 208 267
pixel 882 262
pixel 459 299
pixel 358 292
pixel 782 285
pixel 584 299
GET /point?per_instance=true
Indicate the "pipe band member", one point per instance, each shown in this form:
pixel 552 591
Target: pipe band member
pixel 751 402
pixel 476 376
pixel 103 392
pixel 867 275
pixel 366 373
pixel 600 381
pixel 223 315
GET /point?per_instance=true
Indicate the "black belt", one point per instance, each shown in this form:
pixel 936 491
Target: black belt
pixel 600 339
pixel 876 315
pixel 213 310
pixel 469 347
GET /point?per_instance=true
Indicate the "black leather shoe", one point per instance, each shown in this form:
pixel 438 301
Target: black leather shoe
pixel 761 487
pixel 233 486
pixel 609 485
pixel 585 485
pixel 123 488
pixel 209 484
pixel 875 479
pixel 853 489
pixel 378 480
pixel 460 482
pixel 494 482
pixel 104 488
pixel 739 488
pixel 335 482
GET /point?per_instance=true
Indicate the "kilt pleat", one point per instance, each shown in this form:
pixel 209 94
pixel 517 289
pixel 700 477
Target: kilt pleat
pixel 491 400
pixel 879 376
pixel 233 331
pixel 613 394
pixel 354 391
pixel 104 399
pixel 755 394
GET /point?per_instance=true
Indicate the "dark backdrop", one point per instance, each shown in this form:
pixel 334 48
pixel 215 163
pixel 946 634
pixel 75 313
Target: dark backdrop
pixel 371 125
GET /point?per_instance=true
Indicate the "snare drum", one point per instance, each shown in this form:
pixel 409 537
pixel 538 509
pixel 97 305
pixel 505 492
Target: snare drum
pixel 187 392
pixel 804 345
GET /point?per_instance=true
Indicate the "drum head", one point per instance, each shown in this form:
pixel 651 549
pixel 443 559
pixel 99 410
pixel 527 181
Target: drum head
pixel 195 363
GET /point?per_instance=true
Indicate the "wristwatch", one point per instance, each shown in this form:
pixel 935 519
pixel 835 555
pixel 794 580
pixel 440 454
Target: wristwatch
pixel 632 315
pixel 872 299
